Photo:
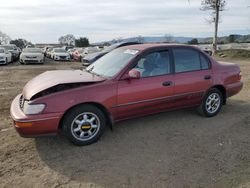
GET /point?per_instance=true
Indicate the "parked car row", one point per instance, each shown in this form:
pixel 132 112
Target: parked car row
pixel 9 53
pixel 68 53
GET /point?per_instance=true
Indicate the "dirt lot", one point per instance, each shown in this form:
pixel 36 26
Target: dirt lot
pixel 173 149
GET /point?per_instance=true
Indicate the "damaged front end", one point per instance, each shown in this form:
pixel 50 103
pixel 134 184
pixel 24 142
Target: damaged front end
pixel 59 88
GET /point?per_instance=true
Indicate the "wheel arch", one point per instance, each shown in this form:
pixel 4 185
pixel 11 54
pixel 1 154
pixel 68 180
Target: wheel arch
pixel 222 89
pixel 109 118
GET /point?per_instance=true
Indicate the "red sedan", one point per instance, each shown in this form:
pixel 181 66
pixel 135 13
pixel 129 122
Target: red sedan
pixel 129 82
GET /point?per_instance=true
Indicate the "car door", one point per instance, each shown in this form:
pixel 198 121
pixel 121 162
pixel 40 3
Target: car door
pixel 152 92
pixel 193 76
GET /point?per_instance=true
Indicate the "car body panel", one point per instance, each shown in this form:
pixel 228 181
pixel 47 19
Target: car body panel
pixel 52 78
pixel 120 97
pixel 142 96
pixel 191 86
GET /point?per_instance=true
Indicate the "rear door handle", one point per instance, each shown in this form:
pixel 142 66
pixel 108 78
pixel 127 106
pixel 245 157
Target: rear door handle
pixel 207 77
pixel 167 83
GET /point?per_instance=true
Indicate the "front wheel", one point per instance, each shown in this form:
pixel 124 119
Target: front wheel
pixel 211 103
pixel 84 124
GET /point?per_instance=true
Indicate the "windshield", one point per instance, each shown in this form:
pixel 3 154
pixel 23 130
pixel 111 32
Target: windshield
pixel 8 47
pixel 1 50
pixel 32 50
pixel 112 63
pixel 60 50
pixel 110 48
pixel 80 51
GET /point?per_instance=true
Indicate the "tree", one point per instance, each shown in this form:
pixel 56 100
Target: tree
pixel 168 38
pixel 4 38
pixel 21 43
pixel 68 39
pixel 231 38
pixel 215 6
pixel 193 41
pixel 82 42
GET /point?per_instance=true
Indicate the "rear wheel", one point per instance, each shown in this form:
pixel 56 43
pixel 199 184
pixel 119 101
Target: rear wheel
pixel 84 125
pixel 211 103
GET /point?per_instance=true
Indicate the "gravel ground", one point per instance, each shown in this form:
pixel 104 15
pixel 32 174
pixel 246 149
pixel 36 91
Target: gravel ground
pixel 178 149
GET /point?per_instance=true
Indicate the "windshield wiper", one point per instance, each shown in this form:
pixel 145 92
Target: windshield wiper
pixel 90 70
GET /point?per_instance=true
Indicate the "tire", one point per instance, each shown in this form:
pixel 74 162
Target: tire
pixel 84 124
pixel 6 60
pixel 211 103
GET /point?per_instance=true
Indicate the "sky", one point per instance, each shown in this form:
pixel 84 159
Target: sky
pixel 44 21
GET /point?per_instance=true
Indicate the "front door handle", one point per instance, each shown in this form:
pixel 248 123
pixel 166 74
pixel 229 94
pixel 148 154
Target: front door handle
pixel 167 83
pixel 207 77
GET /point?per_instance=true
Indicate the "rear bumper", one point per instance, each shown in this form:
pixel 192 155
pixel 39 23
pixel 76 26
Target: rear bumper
pixel 33 125
pixel 233 89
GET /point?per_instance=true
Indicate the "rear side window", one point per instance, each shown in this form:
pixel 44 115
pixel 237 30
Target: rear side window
pixel 189 60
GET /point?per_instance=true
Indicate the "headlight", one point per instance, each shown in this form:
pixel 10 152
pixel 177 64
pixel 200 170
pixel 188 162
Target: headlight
pixel 1 57
pixel 31 109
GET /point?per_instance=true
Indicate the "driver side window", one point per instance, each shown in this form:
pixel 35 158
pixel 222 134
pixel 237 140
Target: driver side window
pixel 154 64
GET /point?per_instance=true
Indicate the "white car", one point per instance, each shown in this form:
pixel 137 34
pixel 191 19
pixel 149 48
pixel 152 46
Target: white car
pixel 60 54
pixel 90 50
pixel 31 55
pixel 5 56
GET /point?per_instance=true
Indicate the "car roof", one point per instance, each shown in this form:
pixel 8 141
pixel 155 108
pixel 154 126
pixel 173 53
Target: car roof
pixel 143 47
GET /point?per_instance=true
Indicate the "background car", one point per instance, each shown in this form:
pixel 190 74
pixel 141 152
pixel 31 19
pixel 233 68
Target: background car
pixel 13 50
pixel 90 50
pixel 91 58
pixel 48 52
pixel 60 54
pixel 77 54
pixel 67 47
pixel 71 51
pixel 5 56
pixel 31 55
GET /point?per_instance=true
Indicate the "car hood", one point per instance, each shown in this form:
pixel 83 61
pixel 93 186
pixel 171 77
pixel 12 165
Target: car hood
pixel 49 79
pixel 92 56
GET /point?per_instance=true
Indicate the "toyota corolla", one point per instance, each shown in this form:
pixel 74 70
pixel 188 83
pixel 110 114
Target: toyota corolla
pixel 128 82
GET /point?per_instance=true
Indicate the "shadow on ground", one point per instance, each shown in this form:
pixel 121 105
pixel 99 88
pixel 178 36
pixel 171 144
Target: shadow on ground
pixel 173 149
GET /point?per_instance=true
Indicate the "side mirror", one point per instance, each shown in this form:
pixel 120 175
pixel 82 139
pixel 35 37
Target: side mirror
pixel 134 74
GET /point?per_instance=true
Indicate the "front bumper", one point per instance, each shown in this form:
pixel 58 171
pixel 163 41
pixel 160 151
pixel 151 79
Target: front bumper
pixel 85 62
pixel 3 62
pixel 62 58
pixel 33 125
pixel 31 60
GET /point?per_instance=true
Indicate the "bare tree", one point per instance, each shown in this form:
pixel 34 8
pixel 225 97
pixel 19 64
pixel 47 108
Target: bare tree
pixel 168 38
pixel 215 6
pixel 68 39
pixel 4 39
